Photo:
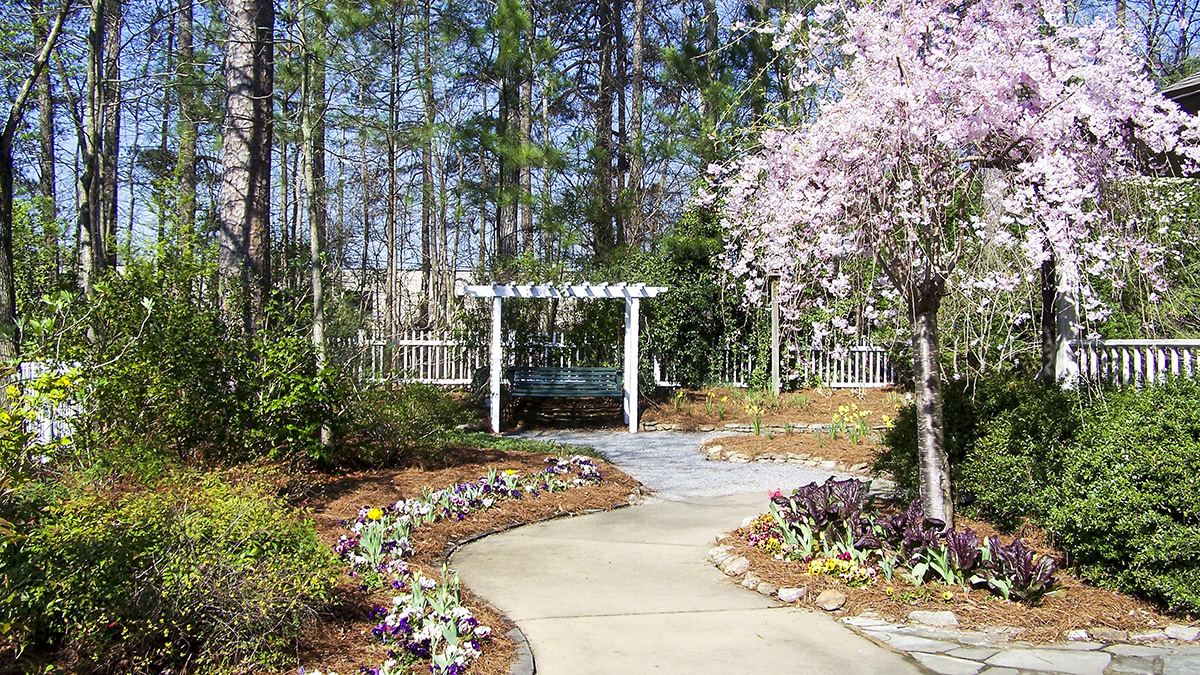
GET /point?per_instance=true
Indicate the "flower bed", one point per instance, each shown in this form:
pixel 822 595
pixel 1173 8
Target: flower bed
pixel 890 562
pixel 426 621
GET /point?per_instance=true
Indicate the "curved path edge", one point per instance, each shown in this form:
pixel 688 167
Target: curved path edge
pixel 630 591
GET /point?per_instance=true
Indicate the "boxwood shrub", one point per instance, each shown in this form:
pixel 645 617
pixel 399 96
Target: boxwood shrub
pixel 1127 508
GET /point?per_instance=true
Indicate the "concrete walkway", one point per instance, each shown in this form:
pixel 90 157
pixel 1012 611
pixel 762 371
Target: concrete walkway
pixel 630 591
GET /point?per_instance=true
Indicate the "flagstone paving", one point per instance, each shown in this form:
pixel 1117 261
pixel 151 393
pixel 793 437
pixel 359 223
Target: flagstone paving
pixel 631 591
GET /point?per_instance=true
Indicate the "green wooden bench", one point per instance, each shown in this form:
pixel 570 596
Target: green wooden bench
pixel 564 382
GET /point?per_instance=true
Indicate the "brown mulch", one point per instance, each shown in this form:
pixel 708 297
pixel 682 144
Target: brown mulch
pixel 341 642
pixel 809 406
pixel 841 451
pixel 1082 606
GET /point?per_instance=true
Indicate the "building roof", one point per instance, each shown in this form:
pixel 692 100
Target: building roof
pixel 1186 93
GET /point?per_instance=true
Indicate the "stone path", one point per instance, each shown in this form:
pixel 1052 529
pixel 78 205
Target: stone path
pixel 971 653
pixel 630 591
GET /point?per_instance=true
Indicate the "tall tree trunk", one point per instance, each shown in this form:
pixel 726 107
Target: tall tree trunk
pixel 312 129
pixel 244 265
pixel 428 238
pixel 91 239
pixel 163 132
pixel 47 193
pixel 636 147
pixel 621 147
pixel 111 130
pixel 526 152
pixel 390 296
pixel 602 231
pixel 8 287
pixel 708 84
pixel 185 165
pixel 936 497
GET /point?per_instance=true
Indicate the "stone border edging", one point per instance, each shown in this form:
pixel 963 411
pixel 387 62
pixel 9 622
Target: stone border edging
pixel 941 649
pixel 524 663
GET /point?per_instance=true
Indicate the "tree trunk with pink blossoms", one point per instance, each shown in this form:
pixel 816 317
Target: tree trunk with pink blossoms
pixel 936 498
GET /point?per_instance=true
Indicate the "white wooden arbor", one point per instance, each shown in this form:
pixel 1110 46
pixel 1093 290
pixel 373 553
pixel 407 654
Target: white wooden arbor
pixel 632 293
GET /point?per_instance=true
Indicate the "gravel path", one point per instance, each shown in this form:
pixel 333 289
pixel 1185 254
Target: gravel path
pixel 671 464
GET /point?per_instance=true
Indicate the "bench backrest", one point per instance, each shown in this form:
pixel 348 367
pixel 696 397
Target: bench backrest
pixel 541 381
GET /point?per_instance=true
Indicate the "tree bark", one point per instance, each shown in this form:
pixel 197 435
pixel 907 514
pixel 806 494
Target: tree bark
pixel 48 197
pixel 602 230
pixel 526 125
pixel 390 297
pixel 244 265
pixel 185 165
pixel 936 498
pixel 111 130
pixel 312 129
pixel 9 339
pixel 91 239
pixel 636 147
pixel 428 225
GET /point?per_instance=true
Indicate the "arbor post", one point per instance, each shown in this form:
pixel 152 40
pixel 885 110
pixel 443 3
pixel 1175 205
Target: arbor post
pixel 497 359
pixel 632 312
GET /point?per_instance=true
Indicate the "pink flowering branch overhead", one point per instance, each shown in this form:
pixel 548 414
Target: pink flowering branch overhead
pixel 883 190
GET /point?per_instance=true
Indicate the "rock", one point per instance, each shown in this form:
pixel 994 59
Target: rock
pixel 736 567
pixel 707 427
pixel 714 453
pixel 1108 634
pixel 1149 636
pixel 942 619
pixel 751 581
pixel 948 665
pixel 829 465
pixel 1077 634
pixel 1131 665
pixel 1181 664
pixel 790 595
pixel 738 458
pixel 719 554
pixel 831 600
pixel 767 588
pixel 1041 660
pixel 1183 633
pixel 860 467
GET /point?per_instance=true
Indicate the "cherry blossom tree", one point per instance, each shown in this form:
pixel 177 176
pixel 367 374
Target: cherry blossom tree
pixel 884 188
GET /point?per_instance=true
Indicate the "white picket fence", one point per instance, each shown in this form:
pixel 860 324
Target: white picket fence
pixel 1137 362
pixel 441 358
pixel 51 422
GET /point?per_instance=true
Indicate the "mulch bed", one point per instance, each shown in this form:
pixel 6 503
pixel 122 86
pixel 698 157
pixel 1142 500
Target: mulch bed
pixel 841 451
pixel 810 406
pixel 341 641
pixel 1084 606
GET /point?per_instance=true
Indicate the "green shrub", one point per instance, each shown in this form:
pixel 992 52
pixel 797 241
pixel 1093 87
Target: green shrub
pixel 198 568
pixel 385 421
pixel 1128 507
pixel 1004 439
pixel 1023 430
